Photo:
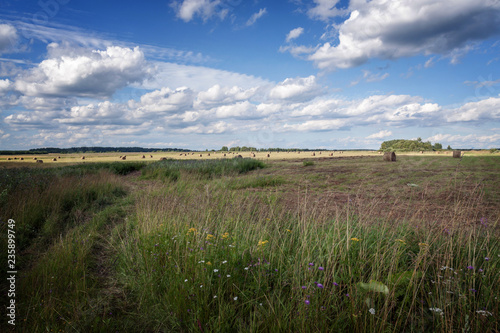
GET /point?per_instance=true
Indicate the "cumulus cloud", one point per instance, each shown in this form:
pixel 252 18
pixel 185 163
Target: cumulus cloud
pixel 5 86
pixel 217 95
pixel 296 89
pixel 466 141
pixel 164 100
pixel 317 125
pixel 93 74
pixel 8 37
pixel 294 33
pixel 256 16
pixel 379 135
pixel 205 9
pixel 324 10
pixel 484 110
pixel 394 29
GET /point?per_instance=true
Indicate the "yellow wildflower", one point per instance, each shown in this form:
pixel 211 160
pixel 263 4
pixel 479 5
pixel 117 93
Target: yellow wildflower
pixel 209 237
pixel 288 230
pixel 225 235
pixel 355 239
pixel 192 230
pixel 209 263
pixel 262 243
pixel 423 244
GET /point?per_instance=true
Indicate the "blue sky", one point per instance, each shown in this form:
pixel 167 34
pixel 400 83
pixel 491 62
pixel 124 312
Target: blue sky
pixel 202 74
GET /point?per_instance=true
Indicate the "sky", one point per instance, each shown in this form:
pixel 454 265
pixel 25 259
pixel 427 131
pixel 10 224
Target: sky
pixel 202 74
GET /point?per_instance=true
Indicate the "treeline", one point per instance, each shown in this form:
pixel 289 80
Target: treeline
pixel 88 150
pixel 410 145
pixel 245 148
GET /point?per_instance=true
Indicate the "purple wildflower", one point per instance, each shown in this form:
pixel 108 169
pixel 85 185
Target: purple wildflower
pixel 480 270
pixel 321 268
pixel 311 264
pixel 470 267
pixel 487 259
pixel 307 302
pixel 319 285
pixel 336 284
pixel 304 287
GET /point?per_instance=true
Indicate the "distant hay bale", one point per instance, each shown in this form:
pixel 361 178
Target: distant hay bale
pixel 54 159
pixel 201 155
pixel 8 158
pixel 163 158
pixel 238 156
pixel 151 156
pixel 457 154
pixel 59 157
pixel 421 152
pixel 268 155
pixel 143 156
pixel 331 154
pixel 208 154
pixel 39 161
pixel 120 157
pixel 83 157
pixel 15 158
pixel 124 158
pixel 22 158
pixel 313 154
pixel 390 156
pixel 35 158
pixel 224 155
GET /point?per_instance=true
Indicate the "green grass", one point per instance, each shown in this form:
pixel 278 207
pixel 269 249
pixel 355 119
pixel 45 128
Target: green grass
pixel 229 246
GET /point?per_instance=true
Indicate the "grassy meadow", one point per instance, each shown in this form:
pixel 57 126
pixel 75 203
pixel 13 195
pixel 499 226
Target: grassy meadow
pixel 286 243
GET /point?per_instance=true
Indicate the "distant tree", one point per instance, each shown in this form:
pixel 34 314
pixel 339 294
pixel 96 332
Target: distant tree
pixel 449 147
pixel 493 150
pixel 438 146
pixel 224 148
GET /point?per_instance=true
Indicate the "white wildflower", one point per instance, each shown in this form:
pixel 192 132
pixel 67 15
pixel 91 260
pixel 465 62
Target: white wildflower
pixel 372 311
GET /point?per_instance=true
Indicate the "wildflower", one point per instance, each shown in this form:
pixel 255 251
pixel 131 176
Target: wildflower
pixel 311 264
pixel 304 287
pixel 307 302
pixel 209 263
pixel 288 230
pixel 437 310
pixel 236 298
pixel 372 311
pixel 186 280
pixel 401 241
pixel 321 268
pixel 262 243
pixel 473 290
pixel 246 268
pixel 355 239
pixel 228 275
pixel 210 237
pixel 484 313
pixel 225 261
pixel 216 270
pixel 215 296
pixel 336 284
pixel 423 244
pixel 225 235
pixel 191 230
pixel 470 267
pixel 480 270
pixel 201 286
pixel 486 258
pixel 319 285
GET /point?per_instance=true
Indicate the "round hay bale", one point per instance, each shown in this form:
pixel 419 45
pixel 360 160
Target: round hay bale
pixel 39 161
pixel 208 154
pixel 224 155
pixel 83 157
pixel 34 158
pixel 331 154
pixel 268 155
pixel 8 158
pixel 22 158
pixel 457 154
pixel 313 154
pixel 238 156
pixel 54 159
pixel 421 152
pixel 201 155
pixel 151 156
pixel 390 156
pixel 163 158
pixel 143 156
pixel 15 158
pixel 124 158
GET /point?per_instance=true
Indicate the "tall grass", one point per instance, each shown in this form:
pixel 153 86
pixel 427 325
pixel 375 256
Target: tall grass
pixel 211 260
pixel 214 250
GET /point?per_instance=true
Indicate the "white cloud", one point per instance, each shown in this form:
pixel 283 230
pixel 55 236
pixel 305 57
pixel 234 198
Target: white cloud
pixel 295 33
pixel 198 78
pixel 484 110
pixel 379 135
pixel 317 125
pixel 296 89
pixel 164 100
pixel 370 77
pixel 93 74
pixel 394 29
pixel 466 141
pixel 206 9
pixel 5 86
pixel 217 95
pixel 8 37
pixel 324 10
pixel 256 16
